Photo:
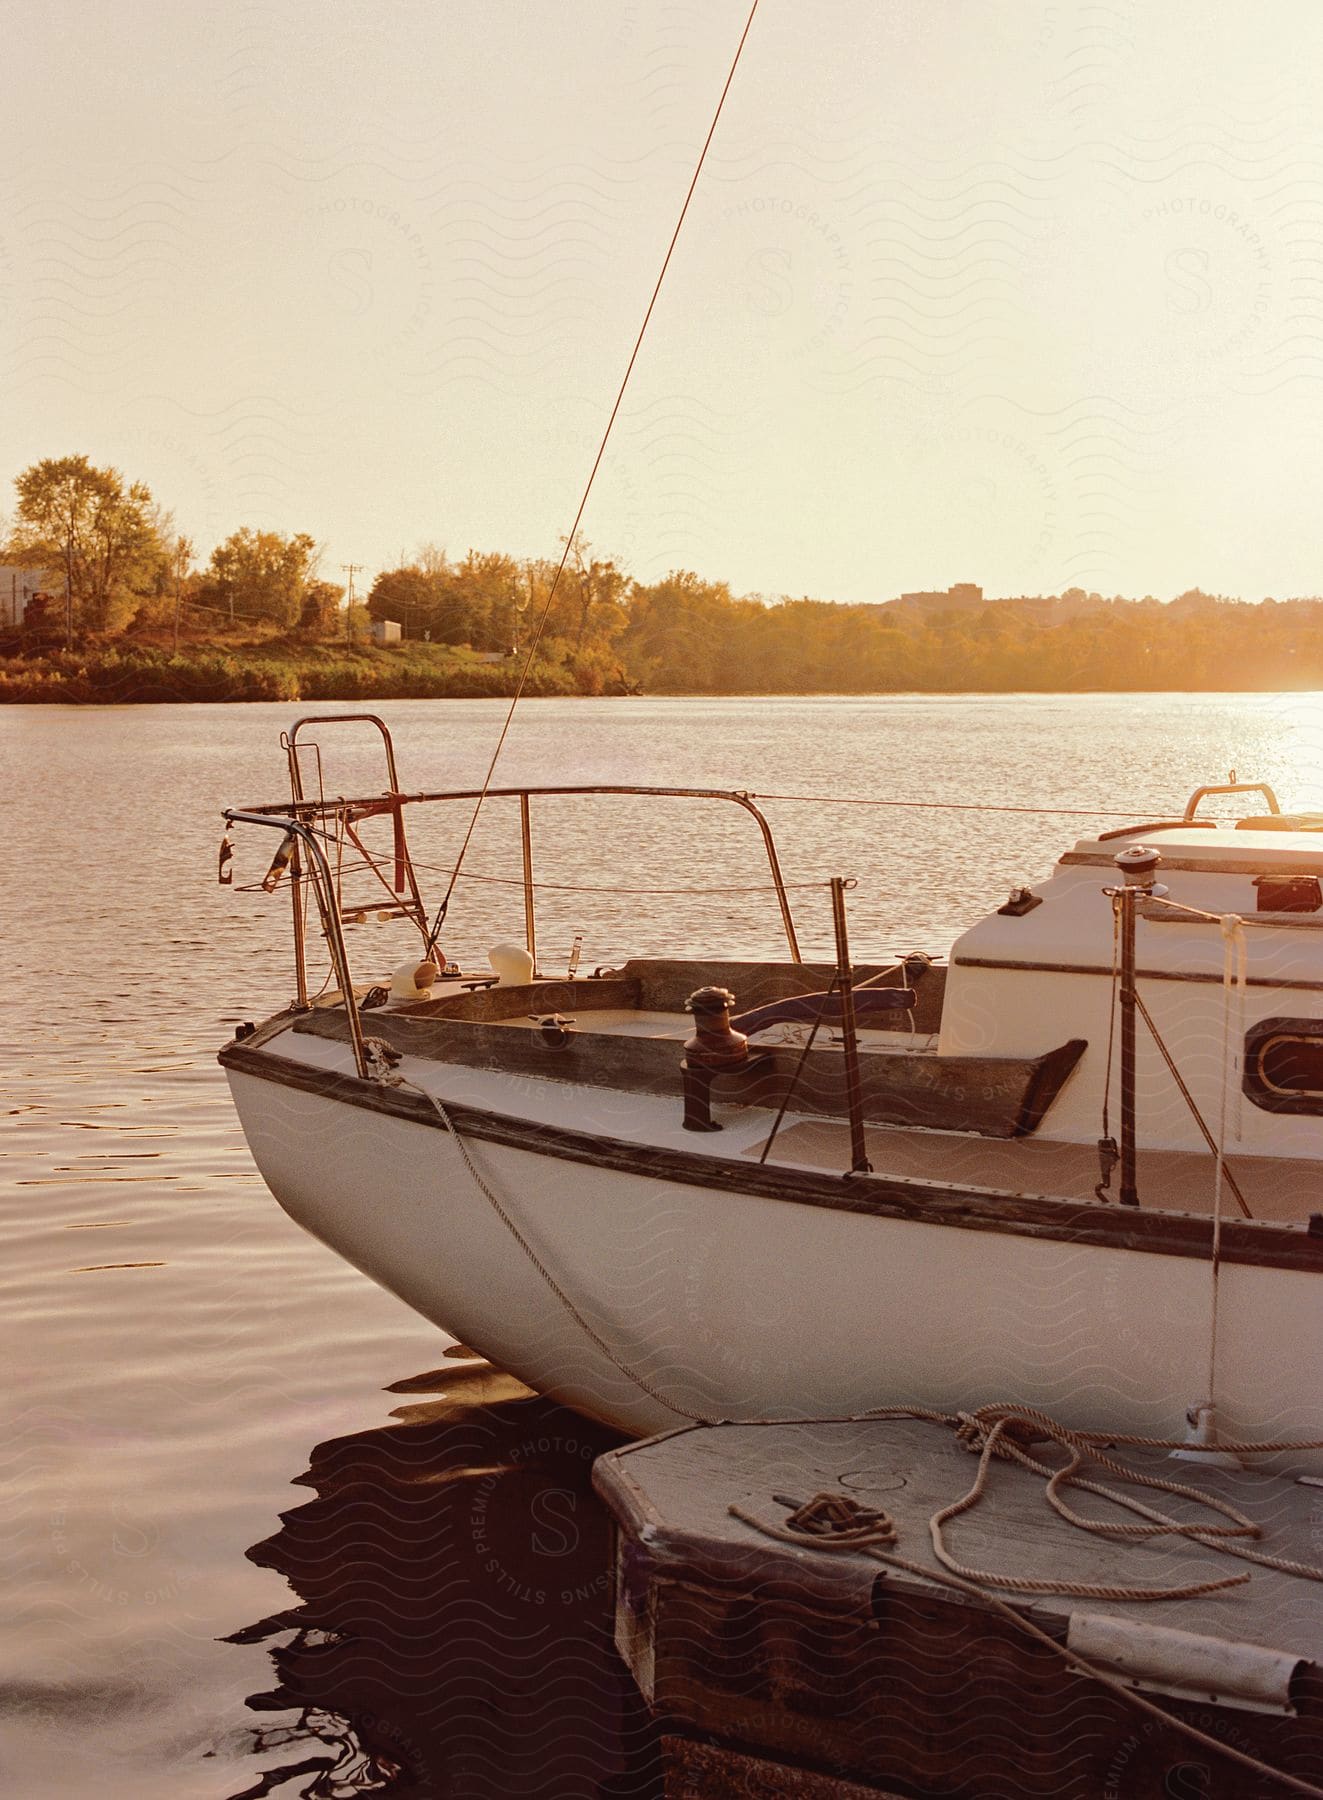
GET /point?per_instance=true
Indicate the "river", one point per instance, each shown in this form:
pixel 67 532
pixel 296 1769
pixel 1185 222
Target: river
pixel 176 1350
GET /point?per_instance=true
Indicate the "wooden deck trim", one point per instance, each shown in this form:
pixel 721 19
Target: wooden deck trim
pixel 485 1005
pixel 1065 968
pixel 1259 1243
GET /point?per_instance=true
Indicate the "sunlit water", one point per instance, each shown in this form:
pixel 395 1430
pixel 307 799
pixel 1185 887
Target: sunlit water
pixel 174 1348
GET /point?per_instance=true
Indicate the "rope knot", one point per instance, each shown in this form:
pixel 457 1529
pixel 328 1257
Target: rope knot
pixel 971 1434
pixel 1004 1431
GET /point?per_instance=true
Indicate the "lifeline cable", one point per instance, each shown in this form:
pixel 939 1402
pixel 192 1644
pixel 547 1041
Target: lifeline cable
pixel 588 488
pixel 978 806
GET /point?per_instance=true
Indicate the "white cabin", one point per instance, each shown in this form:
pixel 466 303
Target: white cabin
pixel 1022 981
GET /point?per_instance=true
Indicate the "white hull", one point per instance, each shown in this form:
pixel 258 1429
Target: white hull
pixel 736 1305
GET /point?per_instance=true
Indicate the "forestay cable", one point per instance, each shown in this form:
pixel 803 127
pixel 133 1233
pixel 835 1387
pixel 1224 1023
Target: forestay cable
pixel 588 486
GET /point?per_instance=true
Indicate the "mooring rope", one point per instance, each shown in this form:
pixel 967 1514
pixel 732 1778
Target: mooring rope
pixel 1085 1442
pixel 585 1325
pixel 994 1424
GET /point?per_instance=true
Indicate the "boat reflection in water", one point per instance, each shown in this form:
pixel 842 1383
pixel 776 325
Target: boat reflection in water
pixel 454 1636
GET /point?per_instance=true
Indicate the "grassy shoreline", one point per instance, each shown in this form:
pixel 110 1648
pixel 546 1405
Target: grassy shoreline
pixel 146 673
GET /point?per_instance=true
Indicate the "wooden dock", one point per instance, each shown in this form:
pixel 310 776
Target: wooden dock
pixel 779 1669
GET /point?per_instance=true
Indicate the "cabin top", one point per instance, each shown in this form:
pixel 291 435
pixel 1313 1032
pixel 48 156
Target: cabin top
pixel 1062 924
pixel 1272 877
pixel 1253 846
pixel 1042 966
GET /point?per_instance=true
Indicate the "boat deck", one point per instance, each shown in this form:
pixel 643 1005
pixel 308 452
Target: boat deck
pixel 467 1061
pixel 1274 1187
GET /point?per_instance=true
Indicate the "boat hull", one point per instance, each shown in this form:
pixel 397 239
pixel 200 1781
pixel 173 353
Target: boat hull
pixel 736 1304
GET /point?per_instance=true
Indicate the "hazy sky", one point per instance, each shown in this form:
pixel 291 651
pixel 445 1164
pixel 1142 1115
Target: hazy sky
pixel 993 290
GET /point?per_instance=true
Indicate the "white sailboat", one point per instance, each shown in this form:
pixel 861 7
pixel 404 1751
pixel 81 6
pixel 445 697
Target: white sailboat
pixel 857 1185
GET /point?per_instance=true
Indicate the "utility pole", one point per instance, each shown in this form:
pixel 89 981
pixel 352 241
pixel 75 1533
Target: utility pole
pixel 183 554
pixel 350 569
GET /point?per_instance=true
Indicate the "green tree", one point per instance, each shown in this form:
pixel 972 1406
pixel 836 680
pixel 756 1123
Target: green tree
pixel 684 635
pixel 101 533
pixel 261 575
pixel 320 612
pixel 596 590
pixel 409 595
pixel 482 601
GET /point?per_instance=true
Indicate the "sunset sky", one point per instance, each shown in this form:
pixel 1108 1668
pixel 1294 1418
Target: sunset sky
pixel 1023 294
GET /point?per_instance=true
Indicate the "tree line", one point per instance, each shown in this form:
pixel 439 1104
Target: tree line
pixel 119 561
pixel 125 572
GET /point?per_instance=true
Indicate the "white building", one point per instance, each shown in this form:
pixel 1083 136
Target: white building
pixel 17 586
pixel 385 631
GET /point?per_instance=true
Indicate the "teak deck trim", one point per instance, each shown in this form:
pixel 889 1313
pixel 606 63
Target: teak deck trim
pixel 1257 1243
pixel 1023 967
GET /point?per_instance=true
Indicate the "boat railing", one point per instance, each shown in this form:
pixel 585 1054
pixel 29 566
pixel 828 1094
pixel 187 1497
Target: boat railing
pixel 311 811
pixel 1230 787
pixel 300 836
pixel 403 877
pixel 345 813
pixel 302 852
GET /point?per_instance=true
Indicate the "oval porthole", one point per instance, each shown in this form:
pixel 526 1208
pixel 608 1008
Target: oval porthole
pixel 1284 1065
pixel 1292 1064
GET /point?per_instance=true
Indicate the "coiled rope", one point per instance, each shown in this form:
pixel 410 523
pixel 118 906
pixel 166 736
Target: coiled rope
pixel 1004 1430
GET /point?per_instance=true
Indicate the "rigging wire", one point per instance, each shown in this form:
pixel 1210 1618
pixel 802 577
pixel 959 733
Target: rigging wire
pixel 976 806
pixel 1142 817
pixel 588 486
pixel 369 866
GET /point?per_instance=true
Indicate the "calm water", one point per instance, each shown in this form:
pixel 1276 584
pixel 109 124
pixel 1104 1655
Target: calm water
pixel 176 1351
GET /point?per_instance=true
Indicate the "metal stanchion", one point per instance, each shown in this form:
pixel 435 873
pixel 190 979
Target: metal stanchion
pixel 859 1162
